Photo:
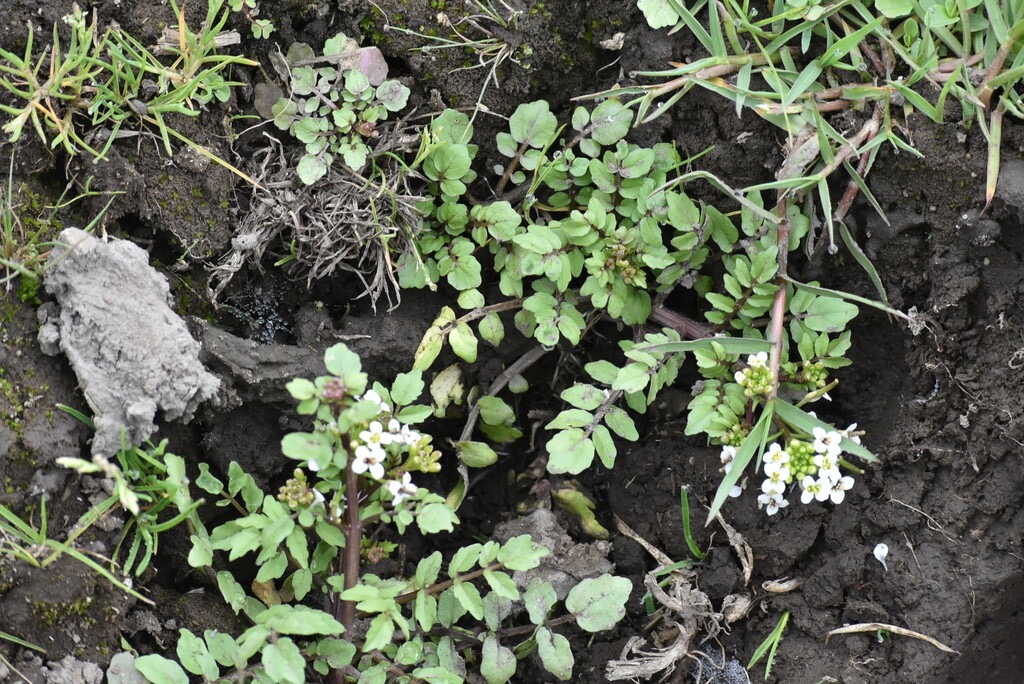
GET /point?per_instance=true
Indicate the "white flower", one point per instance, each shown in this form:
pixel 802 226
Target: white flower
pixel 774 502
pixel 839 487
pixel 369 458
pixel 313 465
pixel 409 436
pixel 758 360
pixel 828 467
pixel 814 489
pixel 376 436
pixel 775 459
pixel 740 378
pixel 827 442
pixel 780 472
pixel 400 489
pixel 728 454
pixel 848 433
pixel 775 483
pixel 371 395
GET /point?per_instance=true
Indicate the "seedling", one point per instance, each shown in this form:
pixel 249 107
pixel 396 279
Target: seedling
pixel 769 646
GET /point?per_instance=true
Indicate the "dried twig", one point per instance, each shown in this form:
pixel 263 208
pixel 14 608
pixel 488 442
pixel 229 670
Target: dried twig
pixel 875 626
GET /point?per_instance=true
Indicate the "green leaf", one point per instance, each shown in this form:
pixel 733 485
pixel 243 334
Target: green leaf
pixel 539 599
pixel 621 424
pixel 521 553
pixel 329 533
pixel 283 662
pixel 533 123
pixel 470 299
pixel 492 329
pixel 464 559
pixel 494 411
pixel 500 218
pixel 463 342
pixel 428 569
pixel 417 413
pixel 632 378
pixel 195 656
pixel 429 348
pixel 496 609
pixel 407 388
pixel 436 517
pixel 499 663
pixel 207 482
pixel 393 95
pixel 570 451
pixel 231 590
pixel 610 122
pixel 584 396
pixel 301 389
pixel 201 554
pixel 340 360
pixel 299 619
pixel 273 568
pixel 310 169
pixel 501 584
pixel 658 13
pixel 600 602
pixel 382 628
pixel 571 418
pixel 469 596
pixel 222 647
pixel 466 273
pixel 555 653
pixel 338 652
pixel 602 371
pixel 425 610
pixel 160 670
pixel 476 454
pixel 604 445
pixel 301 583
pixel 829 314
pixel 437 675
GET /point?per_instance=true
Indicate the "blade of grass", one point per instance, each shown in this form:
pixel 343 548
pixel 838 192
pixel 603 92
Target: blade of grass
pixel 800 419
pixel 752 445
pixel 992 168
pixel 770 645
pixel 684 507
pixel 862 259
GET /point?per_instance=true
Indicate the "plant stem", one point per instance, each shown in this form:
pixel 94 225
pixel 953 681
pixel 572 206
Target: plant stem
pixel 775 332
pixel 354 534
pixel 501 382
pixel 687 328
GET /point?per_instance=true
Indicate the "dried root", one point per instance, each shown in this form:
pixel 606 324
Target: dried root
pixel 343 222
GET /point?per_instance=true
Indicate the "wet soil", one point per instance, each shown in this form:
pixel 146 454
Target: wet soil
pixel 943 408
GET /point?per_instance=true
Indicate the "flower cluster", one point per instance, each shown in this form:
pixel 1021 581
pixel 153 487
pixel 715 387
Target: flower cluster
pixel 756 378
pixel 372 449
pixel 813 465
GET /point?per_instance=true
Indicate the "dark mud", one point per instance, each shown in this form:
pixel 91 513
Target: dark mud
pixel 944 409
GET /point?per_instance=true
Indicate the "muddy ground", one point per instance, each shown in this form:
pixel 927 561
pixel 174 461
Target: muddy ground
pixel 943 408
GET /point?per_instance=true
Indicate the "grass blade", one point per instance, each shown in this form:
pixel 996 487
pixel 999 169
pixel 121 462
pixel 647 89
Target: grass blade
pixel 862 259
pixel 752 445
pixel 684 507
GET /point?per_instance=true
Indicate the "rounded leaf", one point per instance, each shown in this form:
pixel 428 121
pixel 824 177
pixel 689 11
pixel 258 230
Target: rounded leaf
pixel 600 602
